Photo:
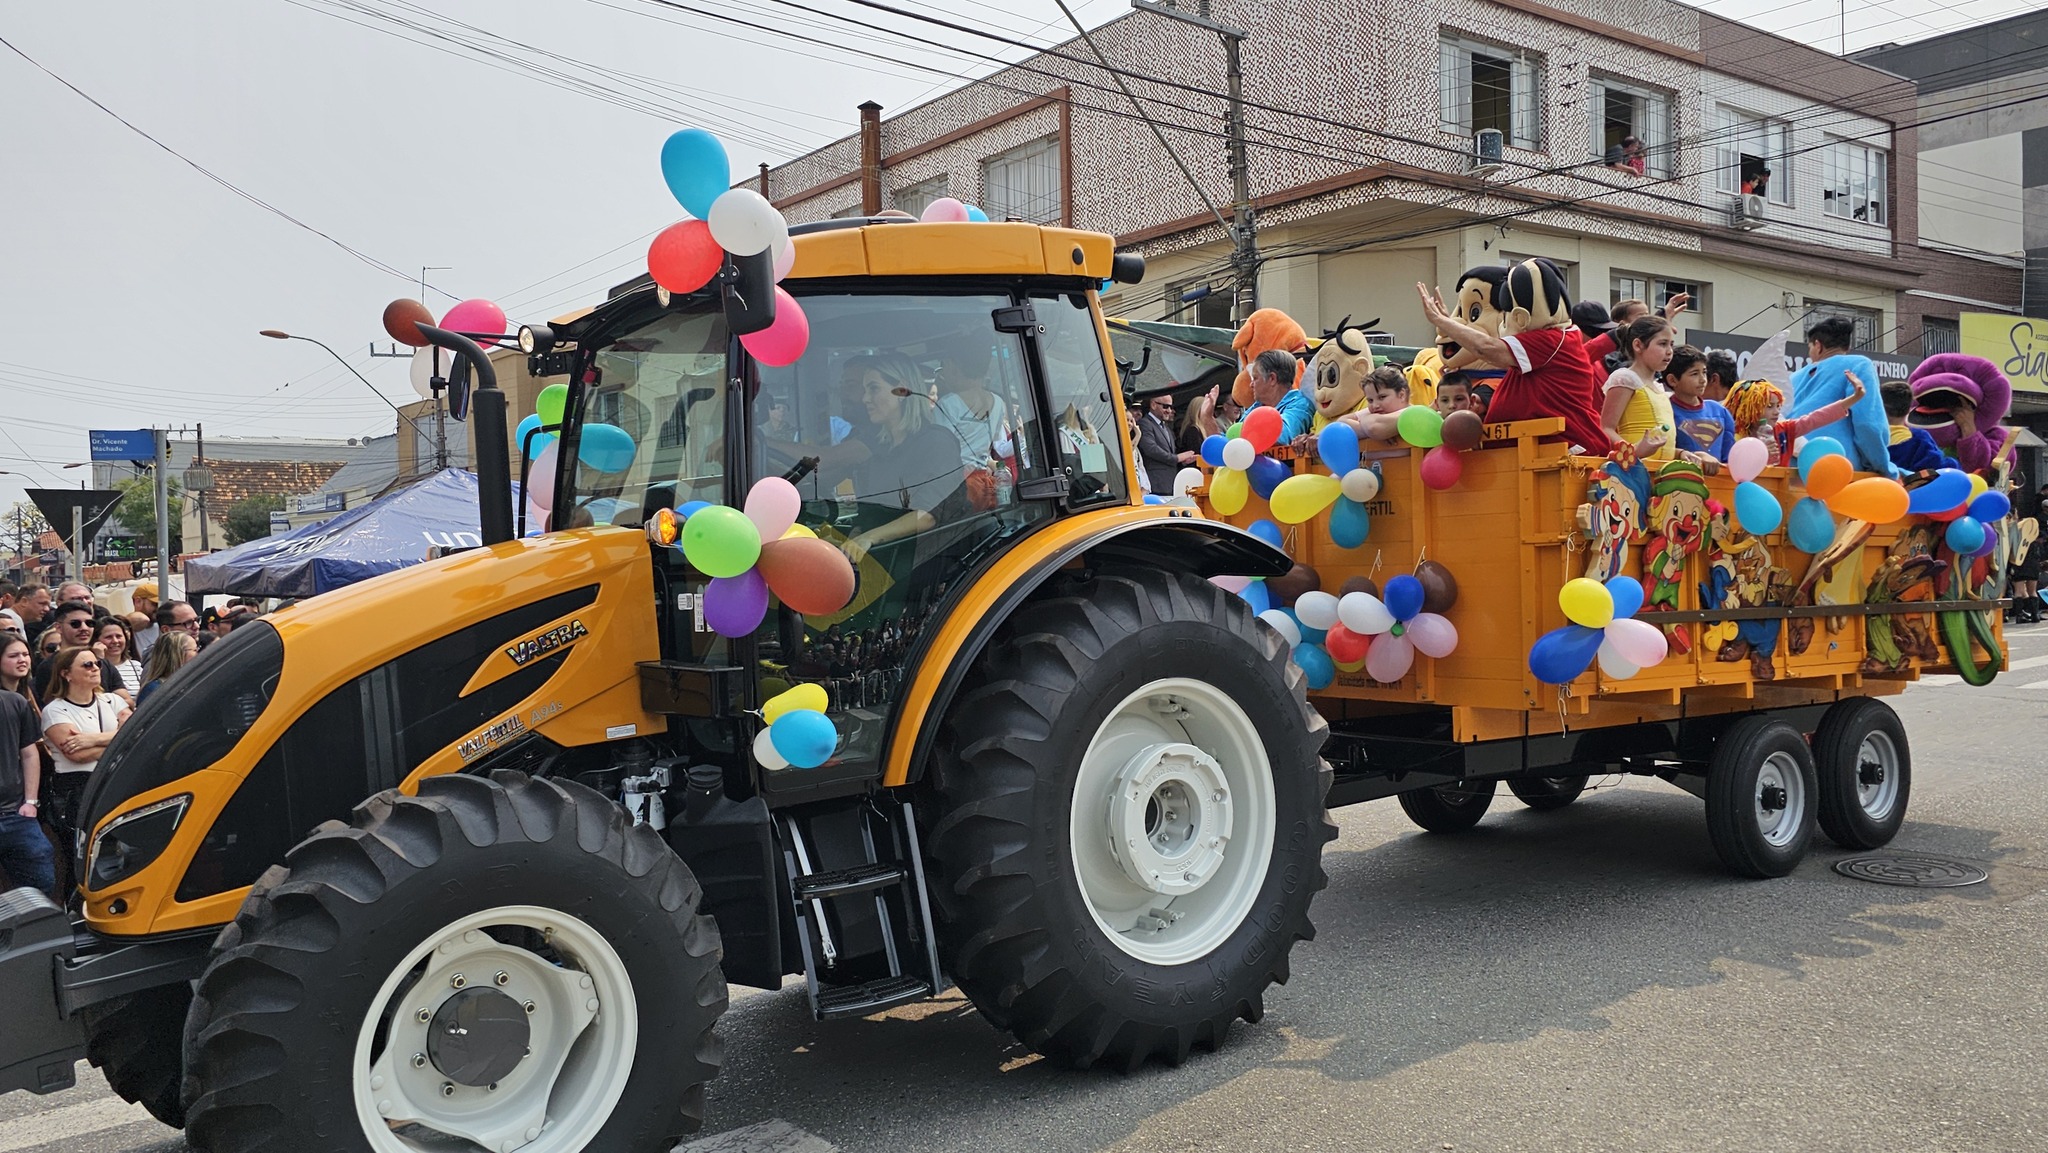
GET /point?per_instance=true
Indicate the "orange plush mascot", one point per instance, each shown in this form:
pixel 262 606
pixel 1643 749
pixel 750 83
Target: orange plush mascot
pixel 1265 329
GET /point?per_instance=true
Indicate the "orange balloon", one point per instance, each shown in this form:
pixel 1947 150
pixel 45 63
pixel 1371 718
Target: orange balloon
pixel 402 318
pixel 1828 476
pixel 810 575
pixel 1873 500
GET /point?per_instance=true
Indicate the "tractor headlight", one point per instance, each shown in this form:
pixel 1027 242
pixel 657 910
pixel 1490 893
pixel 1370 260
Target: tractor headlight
pixel 131 841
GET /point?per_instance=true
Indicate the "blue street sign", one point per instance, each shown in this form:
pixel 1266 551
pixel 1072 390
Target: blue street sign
pixel 123 444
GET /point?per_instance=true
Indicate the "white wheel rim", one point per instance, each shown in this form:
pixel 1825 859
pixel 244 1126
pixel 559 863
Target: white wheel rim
pixel 1172 821
pixel 1877 775
pixel 584 1023
pixel 1779 799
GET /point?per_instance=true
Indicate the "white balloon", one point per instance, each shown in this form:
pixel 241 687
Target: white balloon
pixel 1317 610
pixel 744 223
pixel 1612 664
pixel 1389 659
pixel 1361 484
pixel 1432 634
pixel 1363 613
pixel 1239 454
pixel 1283 624
pixel 785 257
pixel 764 752
pixel 1187 478
pixel 423 370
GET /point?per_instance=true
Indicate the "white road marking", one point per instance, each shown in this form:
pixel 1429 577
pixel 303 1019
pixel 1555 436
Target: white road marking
pixel 79 1120
pixel 777 1136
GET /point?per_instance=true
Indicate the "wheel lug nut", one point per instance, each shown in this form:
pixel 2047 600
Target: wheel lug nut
pixel 491 1088
pixel 458 981
pixel 447 1088
pixel 529 1006
pixel 423 1016
pixel 419 1060
pixel 503 978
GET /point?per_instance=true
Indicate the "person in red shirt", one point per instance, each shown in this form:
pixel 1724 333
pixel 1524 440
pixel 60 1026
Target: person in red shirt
pixel 1545 357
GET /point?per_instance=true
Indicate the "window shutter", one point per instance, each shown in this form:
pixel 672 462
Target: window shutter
pixel 1526 79
pixel 1596 115
pixel 1454 108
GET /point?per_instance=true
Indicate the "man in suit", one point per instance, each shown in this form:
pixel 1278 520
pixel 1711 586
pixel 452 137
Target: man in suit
pixel 1156 451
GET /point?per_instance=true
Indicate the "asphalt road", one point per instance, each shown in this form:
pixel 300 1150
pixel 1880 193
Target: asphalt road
pixel 1581 980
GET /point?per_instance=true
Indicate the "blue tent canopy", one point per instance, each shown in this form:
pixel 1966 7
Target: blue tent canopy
pixel 383 536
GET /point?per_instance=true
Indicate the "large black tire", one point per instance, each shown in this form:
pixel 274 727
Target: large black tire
pixel 135 1042
pixel 1451 808
pixel 1761 797
pixel 1545 794
pixel 1019 932
pixel 277 1015
pixel 1865 773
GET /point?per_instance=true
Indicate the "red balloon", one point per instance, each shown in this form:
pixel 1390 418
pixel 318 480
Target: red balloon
pixel 809 575
pixel 1442 466
pixel 683 257
pixel 1262 427
pixel 1344 646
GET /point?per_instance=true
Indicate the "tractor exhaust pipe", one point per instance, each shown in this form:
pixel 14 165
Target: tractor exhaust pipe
pixel 487 430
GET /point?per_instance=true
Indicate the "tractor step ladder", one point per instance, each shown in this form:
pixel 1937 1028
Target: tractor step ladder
pixel 894 867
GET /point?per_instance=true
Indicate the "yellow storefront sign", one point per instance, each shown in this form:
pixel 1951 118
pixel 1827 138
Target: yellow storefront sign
pixel 2018 345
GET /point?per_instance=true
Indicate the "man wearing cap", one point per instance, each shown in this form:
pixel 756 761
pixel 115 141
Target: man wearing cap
pixel 146 600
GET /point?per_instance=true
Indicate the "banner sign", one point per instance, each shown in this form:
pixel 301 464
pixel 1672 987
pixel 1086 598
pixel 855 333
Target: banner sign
pixel 123 444
pixel 2018 345
pixel 1890 365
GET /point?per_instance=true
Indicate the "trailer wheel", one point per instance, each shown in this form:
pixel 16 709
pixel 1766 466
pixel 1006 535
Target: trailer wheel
pixel 1865 773
pixel 1544 794
pixel 1760 797
pixel 502 962
pixel 135 1042
pixel 1451 808
pixel 1128 821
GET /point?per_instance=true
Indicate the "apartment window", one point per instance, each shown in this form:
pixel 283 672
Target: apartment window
pixel 1853 181
pixel 1622 111
pixel 848 212
pixel 1657 291
pixel 1866 320
pixel 1751 155
pixel 915 198
pixel 1939 335
pixel 1481 85
pixel 1202 302
pixel 1024 183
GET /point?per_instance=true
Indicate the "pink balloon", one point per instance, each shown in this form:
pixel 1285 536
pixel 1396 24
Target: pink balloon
pixel 773 504
pixel 474 316
pixel 540 479
pixel 1442 466
pixel 1231 583
pixel 1748 458
pixel 944 210
pixel 1612 664
pixel 1432 634
pixel 780 344
pixel 536 519
pixel 1637 642
pixel 1389 658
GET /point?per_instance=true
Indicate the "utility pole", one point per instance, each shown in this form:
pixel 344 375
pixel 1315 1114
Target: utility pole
pixel 163 513
pixel 199 461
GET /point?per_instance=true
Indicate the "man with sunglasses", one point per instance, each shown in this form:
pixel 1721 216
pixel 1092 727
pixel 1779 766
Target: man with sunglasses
pixel 1160 458
pixel 71 625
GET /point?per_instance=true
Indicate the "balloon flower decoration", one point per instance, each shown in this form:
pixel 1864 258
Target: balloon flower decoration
pixel 728 222
pixel 602 448
pixel 1242 467
pixel 1361 631
pixel 1604 625
pixel 727 545
pixel 1831 491
pixel 1756 509
pixel 1350 486
pixel 1966 502
pixel 1444 438
pixel 798 734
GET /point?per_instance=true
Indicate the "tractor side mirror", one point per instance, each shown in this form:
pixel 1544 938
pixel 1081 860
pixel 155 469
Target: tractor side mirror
pixel 748 283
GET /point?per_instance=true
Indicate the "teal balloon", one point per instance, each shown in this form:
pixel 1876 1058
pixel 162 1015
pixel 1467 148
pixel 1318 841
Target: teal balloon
pixel 804 737
pixel 1255 595
pixel 1965 535
pixel 1337 444
pixel 1316 663
pixel 1991 507
pixel 1266 531
pixel 695 166
pixel 1815 448
pixel 979 217
pixel 1756 510
pixel 606 448
pixel 1628 596
pixel 1265 475
pixel 539 444
pixel 1812 526
pixel 1350 524
pixel 1560 656
pixel 1949 488
pixel 1309 636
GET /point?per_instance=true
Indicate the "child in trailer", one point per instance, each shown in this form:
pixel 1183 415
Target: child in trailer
pixel 1705 427
pixel 1912 449
pixel 1453 393
pixel 1757 406
pixel 1634 410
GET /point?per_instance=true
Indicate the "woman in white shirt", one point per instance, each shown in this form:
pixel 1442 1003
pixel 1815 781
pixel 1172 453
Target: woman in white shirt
pixel 110 640
pixel 78 723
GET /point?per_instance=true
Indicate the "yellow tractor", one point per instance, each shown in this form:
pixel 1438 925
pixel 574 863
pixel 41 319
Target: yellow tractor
pixel 467 855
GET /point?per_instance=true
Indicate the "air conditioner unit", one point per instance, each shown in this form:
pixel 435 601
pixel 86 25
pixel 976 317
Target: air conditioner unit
pixel 1748 212
pixel 1488 149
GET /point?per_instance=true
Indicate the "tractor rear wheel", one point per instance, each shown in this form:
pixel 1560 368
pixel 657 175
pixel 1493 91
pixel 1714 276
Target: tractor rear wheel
pixel 1129 820
pixel 504 963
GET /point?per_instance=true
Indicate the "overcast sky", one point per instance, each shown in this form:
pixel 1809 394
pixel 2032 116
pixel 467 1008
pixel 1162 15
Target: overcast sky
pixel 133 286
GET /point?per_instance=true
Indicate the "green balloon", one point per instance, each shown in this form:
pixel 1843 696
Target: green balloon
pixel 721 541
pixel 1235 430
pixel 549 404
pixel 1420 426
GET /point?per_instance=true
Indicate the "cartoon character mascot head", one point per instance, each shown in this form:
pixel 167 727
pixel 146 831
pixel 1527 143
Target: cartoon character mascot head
pixel 1340 368
pixel 1265 329
pixel 1950 381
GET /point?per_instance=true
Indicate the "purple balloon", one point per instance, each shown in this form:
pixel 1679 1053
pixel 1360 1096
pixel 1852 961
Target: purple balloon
pixel 1265 475
pixel 734 606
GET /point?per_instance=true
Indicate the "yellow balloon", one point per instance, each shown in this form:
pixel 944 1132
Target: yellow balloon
pixel 800 697
pixel 1978 485
pixel 1350 668
pixel 797 530
pixel 1228 490
pixel 1586 602
pixel 1300 497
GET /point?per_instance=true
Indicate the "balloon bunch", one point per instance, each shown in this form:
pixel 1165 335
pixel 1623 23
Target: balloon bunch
pixel 737 221
pixel 947 210
pixel 727 545
pixel 1331 634
pixel 1350 486
pixel 1831 491
pixel 1604 625
pixel 601 447
pixel 798 734
pixel 1966 502
pixel 1242 467
pixel 1445 439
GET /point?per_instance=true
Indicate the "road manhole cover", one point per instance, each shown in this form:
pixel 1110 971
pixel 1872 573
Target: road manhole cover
pixel 1914 870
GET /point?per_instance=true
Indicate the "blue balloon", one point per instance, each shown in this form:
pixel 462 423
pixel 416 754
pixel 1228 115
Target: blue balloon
pixel 1813 527
pixel 606 447
pixel 1756 510
pixel 1991 507
pixel 1628 596
pixel 1255 595
pixel 979 217
pixel 1265 475
pixel 694 164
pixel 1966 536
pixel 1817 447
pixel 1212 450
pixel 1561 655
pixel 1337 445
pixel 1315 661
pixel 804 737
pixel 691 508
pixel 1949 488
pixel 1266 531
pixel 1403 596
pixel 1350 524
pixel 1154 498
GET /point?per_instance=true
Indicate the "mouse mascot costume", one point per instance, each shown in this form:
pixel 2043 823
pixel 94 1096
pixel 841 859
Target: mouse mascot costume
pixel 1947 381
pixel 1550 375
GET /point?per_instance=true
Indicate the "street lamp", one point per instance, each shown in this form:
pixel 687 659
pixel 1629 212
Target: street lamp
pixel 440 451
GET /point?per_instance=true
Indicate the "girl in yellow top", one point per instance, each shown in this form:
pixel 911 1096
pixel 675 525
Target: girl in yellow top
pixel 1635 408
